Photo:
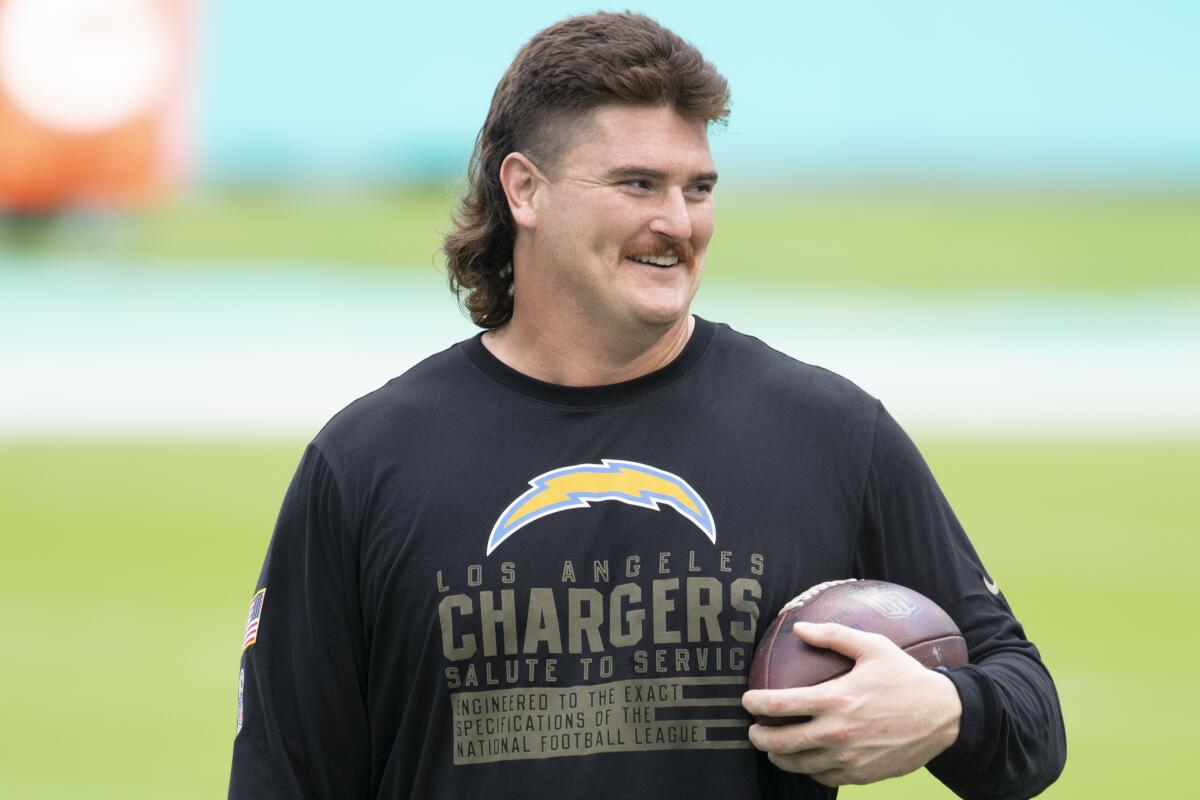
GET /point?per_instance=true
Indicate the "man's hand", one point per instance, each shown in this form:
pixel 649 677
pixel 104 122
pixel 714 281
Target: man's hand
pixel 886 717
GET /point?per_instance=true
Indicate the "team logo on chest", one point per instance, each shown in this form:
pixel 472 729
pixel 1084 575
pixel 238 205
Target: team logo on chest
pixel 581 485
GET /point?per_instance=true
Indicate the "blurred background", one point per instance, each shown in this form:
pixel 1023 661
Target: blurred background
pixel 220 225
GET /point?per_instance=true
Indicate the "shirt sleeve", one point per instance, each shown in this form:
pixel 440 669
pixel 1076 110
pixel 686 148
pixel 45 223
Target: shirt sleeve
pixel 1011 742
pixel 303 731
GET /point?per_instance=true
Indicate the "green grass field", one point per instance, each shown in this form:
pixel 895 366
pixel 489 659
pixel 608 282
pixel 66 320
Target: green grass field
pixel 939 242
pixel 128 568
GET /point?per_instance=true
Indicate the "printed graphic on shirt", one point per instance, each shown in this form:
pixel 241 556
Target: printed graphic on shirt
pixel 256 607
pixel 241 695
pixel 580 485
pixel 614 717
pixel 645 652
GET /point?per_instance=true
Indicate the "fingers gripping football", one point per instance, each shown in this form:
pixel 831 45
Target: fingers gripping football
pixel 849 642
pixel 888 716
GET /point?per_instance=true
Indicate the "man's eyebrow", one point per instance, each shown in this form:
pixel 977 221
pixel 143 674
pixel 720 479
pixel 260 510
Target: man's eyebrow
pixel 656 174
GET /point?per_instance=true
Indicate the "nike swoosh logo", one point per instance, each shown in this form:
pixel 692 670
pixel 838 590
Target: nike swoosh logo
pixel 990 585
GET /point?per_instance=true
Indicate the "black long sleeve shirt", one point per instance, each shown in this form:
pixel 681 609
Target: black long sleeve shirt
pixel 482 583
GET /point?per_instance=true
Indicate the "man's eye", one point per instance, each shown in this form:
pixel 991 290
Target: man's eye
pixel 702 188
pixel 638 183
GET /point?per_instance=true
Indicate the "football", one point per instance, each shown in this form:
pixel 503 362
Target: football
pixel 910 619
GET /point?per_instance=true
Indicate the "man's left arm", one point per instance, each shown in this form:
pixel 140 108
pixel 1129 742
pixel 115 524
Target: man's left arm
pixel 992 728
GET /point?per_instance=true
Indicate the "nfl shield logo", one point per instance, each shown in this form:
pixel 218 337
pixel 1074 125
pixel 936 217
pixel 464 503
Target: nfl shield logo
pixel 888 602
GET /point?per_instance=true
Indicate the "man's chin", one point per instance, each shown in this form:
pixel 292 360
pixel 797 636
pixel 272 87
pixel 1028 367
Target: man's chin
pixel 656 307
pixel 659 315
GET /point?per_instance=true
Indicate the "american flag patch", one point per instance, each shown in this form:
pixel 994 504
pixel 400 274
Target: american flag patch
pixel 256 606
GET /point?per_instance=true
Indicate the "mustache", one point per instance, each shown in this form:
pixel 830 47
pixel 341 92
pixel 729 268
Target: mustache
pixel 682 249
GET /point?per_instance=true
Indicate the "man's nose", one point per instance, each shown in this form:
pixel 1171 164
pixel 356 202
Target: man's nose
pixel 672 218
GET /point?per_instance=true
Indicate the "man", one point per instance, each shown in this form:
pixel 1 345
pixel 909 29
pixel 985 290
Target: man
pixel 538 562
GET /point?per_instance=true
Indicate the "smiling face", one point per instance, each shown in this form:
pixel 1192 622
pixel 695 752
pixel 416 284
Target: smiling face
pixel 622 224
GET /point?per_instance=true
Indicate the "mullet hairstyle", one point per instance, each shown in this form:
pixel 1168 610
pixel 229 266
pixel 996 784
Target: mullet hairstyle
pixel 561 74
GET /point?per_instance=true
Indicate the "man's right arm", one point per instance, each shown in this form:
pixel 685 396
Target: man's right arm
pixel 302 690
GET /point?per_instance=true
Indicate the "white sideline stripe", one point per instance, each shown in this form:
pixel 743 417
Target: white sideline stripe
pixel 273 366
pixel 244 392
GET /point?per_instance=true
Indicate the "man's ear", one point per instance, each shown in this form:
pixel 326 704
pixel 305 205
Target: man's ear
pixel 521 180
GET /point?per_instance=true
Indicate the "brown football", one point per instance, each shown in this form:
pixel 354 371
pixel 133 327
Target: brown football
pixel 910 619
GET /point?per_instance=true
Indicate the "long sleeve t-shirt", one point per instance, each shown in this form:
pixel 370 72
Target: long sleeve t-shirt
pixel 483 584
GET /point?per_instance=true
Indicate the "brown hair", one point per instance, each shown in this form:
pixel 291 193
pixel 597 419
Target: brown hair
pixel 560 75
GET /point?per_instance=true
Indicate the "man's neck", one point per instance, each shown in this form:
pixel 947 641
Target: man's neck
pixel 586 358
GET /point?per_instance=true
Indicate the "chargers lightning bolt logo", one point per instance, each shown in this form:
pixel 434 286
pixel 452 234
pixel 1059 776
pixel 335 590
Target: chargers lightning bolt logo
pixel 581 485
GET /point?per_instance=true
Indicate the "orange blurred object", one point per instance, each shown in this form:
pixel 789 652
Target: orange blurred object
pixel 90 97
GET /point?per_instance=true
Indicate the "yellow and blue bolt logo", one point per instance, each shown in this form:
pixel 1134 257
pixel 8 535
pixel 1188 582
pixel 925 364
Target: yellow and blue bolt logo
pixel 581 485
